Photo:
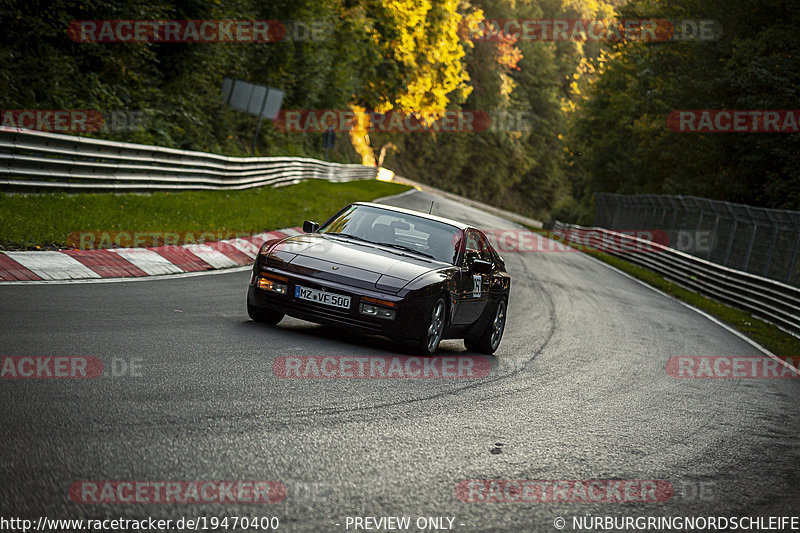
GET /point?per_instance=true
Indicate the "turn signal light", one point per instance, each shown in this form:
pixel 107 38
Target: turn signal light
pixel 387 303
pixel 271 285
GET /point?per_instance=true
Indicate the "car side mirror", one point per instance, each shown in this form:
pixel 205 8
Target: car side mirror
pixel 481 267
pixel 310 227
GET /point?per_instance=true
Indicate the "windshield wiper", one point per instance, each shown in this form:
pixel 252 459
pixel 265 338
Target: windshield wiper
pixel 407 249
pixel 391 245
pixel 348 236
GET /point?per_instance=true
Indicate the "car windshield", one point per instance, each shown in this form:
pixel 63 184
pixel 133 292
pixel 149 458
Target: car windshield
pixel 401 231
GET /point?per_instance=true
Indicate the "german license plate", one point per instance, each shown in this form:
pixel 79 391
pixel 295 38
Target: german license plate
pixel 322 297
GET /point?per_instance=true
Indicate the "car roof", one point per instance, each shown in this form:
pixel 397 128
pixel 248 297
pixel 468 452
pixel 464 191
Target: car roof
pixel 459 225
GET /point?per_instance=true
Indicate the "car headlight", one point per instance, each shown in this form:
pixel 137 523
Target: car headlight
pixel 377 308
pixel 273 283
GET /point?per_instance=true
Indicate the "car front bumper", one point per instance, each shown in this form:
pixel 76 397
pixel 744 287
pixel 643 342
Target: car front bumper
pixel 406 324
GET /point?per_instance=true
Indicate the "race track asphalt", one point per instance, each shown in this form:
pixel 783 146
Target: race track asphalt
pixel 578 390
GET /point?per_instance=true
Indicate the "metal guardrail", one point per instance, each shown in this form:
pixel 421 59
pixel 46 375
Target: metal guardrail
pixel 767 299
pixel 32 159
pixel 762 241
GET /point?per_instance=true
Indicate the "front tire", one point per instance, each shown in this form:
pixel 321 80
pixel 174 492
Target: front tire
pixel 429 343
pixel 265 316
pixel 489 339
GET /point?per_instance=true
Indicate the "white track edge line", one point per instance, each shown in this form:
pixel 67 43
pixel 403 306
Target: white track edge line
pixel 712 318
pixel 398 195
pixel 124 280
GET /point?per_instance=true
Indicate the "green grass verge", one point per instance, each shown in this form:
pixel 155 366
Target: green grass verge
pixel 45 221
pixel 767 335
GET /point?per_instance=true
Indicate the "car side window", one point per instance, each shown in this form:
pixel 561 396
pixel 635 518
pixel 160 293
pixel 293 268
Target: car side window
pixel 477 247
pixel 472 250
pixel 484 248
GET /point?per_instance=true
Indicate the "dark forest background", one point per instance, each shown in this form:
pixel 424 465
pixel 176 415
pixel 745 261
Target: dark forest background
pixel 580 117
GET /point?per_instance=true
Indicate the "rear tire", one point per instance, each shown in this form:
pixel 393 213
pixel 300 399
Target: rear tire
pixel 265 316
pixel 429 343
pixel 489 339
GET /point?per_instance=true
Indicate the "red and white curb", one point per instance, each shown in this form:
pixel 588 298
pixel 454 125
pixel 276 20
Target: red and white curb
pixel 134 262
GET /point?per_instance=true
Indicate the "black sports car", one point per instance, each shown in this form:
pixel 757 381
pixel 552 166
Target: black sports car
pixel 407 275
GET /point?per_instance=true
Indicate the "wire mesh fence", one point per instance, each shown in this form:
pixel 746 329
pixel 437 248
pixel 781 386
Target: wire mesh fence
pixel 765 242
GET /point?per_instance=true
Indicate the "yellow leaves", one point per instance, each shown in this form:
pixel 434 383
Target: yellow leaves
pixel 568 106
pixel 384 107
pixel 588 71
pixel 408 19
pixel 471 26
pixel 423 37
pixel 359 136
pixel 507 85
pixel 510 55
pixel 594 9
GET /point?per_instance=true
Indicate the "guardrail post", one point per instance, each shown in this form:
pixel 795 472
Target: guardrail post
pixel 769 253
pixel 727 260
pixel 713 236
pixel 750 248
pixel 793 259
pixel 617 212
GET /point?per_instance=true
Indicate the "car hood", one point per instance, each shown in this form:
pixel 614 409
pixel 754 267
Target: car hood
pixel 350 262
